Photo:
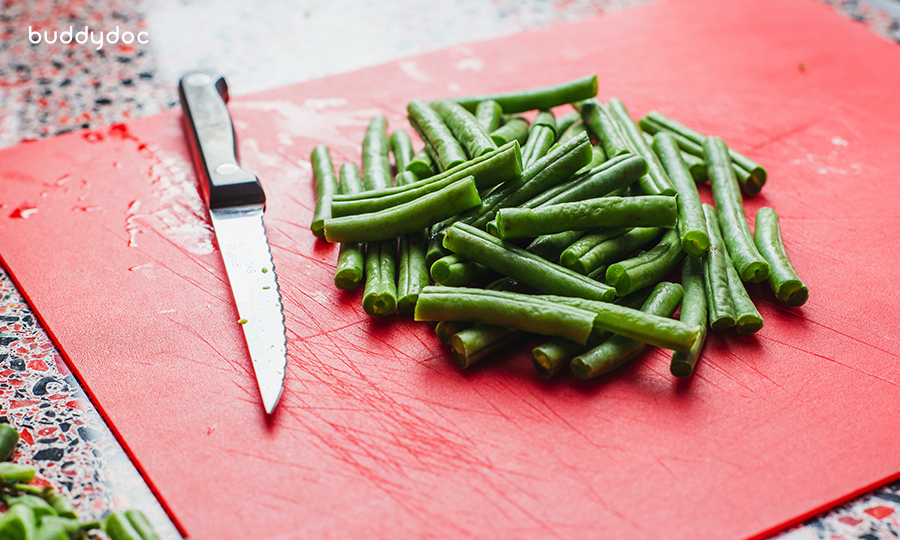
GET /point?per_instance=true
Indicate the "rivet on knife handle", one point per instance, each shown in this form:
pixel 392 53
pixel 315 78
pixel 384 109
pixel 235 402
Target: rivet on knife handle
pixel 236 202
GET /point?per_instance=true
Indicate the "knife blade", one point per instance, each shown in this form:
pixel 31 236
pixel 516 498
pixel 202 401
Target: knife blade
pixel 236 204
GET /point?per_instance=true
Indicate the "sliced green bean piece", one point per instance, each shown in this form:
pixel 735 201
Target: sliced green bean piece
pixel 565 121
pixel 489 113
pixel 519 311
pixel 652 127
pixel 476 343
pixel 515 129
pixel 140 523
pixel 446 150
pixel 18 523
pixel 465 128
pixel 644 327
pixel 598 120
pixel 599 181
pixel 609 250
pixel 375 161
pixel 62 505
pixel 421 165
pixel 656 181
pixel 456 271
pixel 380 296
pixel 501 166
pixel 697 167
pixel 351 256
pixel 9 437
pixel 715 276
pixel 571 255
pixel 648 268
pixel 72 527
pixel 435 249
pixel 117 527
pixel 542 98
pixel 575 129
pixel 554 168
pixel 407 218
pixel 747 319
pixel 38 505
pixel 598 273
pixel 412 272
pixel 445 330
pixel 326 185
pixel 541 136
pixel 691 222
pixel 757 174
pixel 783 279
pixel 46 531
pixel 646 211
pixel 618 350
pixel 550 246
pixel 12 473
pixel 730 207
pixel 693 312
pixel 521 265
pixel 552 356
pixel 401 147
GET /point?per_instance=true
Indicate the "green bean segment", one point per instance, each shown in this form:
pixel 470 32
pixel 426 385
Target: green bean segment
pixel 550 246
pixel 437 136
pixel 407 218
pixel 551 170
pixel 401 147
pixel 566 121
pixel 326 185
pixel 694 313
pixel 476 343
pixel 519 311
pixel 351 256
pixel 648 268
pixel 444 330
pixel 715 276
pixel 515 129
pixel 421 165
pixel 756 174
pixel 455 271
pixel 413 272
pixel 608 250
pixel 542 98
pixel 380 296
pixel 521 265
pixel 604 127
pixel 646 211
pixel 571 255
pixel 375 161
pixel 730 207
pixel 9 437
pixel 691 222
pixel 488 113
pixel 541 136
pixel 501 166
pixel 18 523
pixel 747 319
pixel 656 181
pixel 465 128
pixel 619 349
pixel 783 279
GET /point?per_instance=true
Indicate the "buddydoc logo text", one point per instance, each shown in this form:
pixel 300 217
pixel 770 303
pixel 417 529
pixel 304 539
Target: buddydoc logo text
pixel 84 36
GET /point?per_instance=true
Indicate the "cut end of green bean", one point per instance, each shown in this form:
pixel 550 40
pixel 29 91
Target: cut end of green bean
pixel 379 305
pixel 722 323
pixel 617 276
pixel 748 324
pixel 754 184
pixel 580 369
pixel 695 243
pixel 792 293
pixel 348 279
pixel 755 272
pixel 318 228
pixel 681 368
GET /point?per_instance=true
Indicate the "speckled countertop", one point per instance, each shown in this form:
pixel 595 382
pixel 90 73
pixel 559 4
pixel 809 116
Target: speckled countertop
pixel 53 88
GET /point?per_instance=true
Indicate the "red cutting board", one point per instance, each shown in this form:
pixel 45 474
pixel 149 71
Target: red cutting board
pixel 378 434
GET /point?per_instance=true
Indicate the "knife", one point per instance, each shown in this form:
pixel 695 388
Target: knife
pixel 236 202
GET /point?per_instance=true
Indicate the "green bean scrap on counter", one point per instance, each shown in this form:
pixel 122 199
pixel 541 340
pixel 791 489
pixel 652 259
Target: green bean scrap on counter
pixel 591 220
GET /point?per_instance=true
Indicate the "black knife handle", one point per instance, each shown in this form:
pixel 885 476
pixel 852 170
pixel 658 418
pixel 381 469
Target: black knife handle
pixel 210 134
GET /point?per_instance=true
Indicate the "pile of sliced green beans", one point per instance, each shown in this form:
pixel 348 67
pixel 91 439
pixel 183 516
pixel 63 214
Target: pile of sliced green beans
pixel 42 513
pixel 585 216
